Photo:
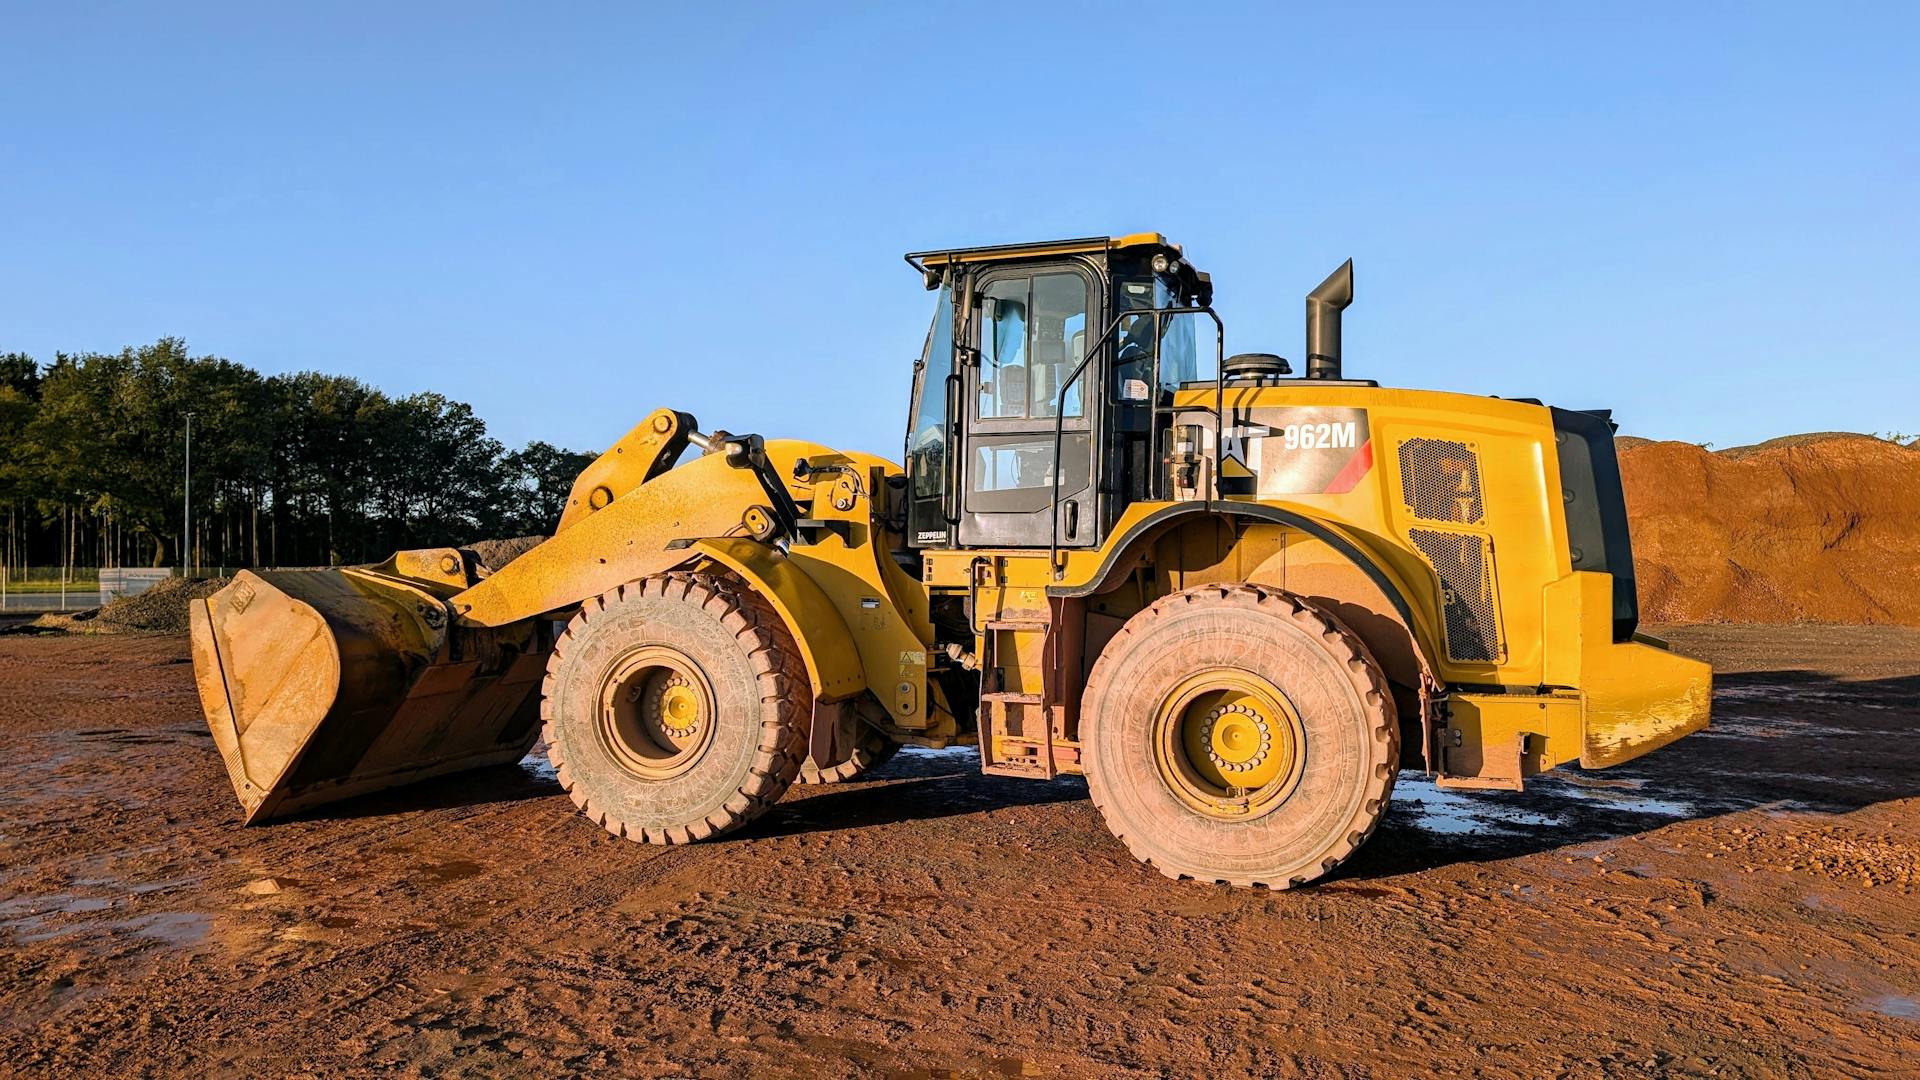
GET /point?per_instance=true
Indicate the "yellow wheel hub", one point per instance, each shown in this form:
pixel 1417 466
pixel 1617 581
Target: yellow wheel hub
pixel 1228 743
pixel 656 712
pixel 674 707
pixel 1236 739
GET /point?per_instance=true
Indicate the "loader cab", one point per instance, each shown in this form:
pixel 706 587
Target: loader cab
pixel 1041 346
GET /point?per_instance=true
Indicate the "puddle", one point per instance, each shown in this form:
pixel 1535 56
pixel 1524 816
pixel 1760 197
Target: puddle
pixel 1777 694
pixel 143 887
pixel 181 929
pixel 997 1067
pixel 1459 813
pixel 1898 1006
pixel 947 752
pixel 1733 725
pixel 1620 783
pixel 1617 795
pixel 27 912
pixel 1449 813
pixel 458 870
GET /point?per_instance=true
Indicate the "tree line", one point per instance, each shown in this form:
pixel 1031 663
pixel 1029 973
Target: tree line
pixel 288 470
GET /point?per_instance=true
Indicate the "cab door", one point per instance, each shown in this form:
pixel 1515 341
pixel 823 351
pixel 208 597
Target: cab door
pixel 1031 330
pixel 930 434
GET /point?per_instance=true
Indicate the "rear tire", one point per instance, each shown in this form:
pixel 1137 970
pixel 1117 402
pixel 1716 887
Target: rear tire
pixel 675 708
pixel 1239 734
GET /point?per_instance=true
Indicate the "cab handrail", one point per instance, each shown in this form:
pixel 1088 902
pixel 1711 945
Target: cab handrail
pixel 1153 417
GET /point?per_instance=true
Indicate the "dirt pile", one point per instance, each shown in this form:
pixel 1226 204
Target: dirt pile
pixel 1807 528
pixel 161 609
pixel 490 555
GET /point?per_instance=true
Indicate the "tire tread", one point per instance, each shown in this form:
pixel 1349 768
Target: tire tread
pixel 779 669
pixel 1368 680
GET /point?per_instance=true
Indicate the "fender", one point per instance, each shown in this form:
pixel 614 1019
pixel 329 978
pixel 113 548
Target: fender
pixel 1123 546
pixel 827 646
pixel 1153 524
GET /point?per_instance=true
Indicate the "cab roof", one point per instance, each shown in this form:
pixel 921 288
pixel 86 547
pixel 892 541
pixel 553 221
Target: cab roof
pixel 1195 283
pixel 1088 245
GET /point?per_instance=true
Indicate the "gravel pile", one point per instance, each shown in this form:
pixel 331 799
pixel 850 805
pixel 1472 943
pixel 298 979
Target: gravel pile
pixel 161 609
pixel 491 555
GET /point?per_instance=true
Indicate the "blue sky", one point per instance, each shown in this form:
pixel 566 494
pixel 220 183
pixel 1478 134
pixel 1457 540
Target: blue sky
pixel 571 214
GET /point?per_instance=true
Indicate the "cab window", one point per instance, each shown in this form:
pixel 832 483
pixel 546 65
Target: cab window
pixel 1033 334
pixel 1179 354
pixel 1181 360
pixel 927 439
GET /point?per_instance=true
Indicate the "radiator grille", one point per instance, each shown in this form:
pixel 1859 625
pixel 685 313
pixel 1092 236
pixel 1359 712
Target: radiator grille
pixel 1440 481
pixel 1464 564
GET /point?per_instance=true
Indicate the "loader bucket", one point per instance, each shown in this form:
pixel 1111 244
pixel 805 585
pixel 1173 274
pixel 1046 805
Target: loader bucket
pixel 323 684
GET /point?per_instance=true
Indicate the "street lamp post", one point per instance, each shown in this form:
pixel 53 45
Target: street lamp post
pixel 186 510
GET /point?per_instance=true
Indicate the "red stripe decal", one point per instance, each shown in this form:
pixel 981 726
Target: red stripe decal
pixel 1350 475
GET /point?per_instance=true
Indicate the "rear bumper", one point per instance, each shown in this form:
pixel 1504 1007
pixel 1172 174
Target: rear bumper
pixel 1636 696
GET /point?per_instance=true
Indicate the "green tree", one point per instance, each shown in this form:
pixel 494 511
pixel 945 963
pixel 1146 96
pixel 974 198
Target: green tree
pixel 538 478
pixel 19 470
pixel 287 470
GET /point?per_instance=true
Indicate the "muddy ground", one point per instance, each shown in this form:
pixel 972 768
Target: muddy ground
pixel 1741 904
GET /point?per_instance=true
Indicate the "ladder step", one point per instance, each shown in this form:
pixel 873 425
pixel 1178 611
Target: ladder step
pixel 1013 698
pixel 1019 624
pixel 1031 769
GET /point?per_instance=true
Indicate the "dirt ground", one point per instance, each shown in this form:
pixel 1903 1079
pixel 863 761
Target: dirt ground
pixel 1741 904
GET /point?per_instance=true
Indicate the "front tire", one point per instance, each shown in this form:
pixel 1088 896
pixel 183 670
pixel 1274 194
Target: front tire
pixel 1238 734
pixel 675 708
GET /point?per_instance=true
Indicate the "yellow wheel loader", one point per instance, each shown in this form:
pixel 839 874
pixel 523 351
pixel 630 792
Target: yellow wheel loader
pixel 1237 601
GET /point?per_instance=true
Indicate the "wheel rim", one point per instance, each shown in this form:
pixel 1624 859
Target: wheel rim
pixel 1228 744
pixel 656 712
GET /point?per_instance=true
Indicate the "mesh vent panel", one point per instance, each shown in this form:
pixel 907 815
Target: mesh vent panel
pixel 1440 481
pixel 1464 564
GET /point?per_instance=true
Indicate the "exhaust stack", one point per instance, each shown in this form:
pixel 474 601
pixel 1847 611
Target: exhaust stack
pixel 1324 305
